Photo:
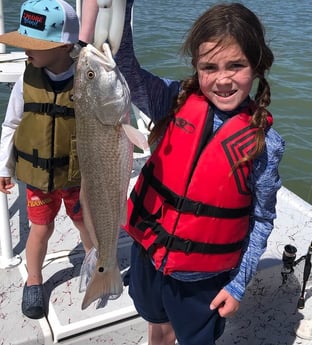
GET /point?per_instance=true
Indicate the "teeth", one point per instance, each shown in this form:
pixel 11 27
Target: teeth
pixel 225 94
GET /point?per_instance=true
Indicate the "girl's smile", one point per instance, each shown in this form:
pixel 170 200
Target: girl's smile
pixel 225 75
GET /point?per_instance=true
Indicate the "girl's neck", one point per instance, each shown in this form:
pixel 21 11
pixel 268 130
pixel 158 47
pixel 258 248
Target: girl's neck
pixel 223 115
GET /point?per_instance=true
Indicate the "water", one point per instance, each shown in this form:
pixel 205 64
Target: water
pixel 159 29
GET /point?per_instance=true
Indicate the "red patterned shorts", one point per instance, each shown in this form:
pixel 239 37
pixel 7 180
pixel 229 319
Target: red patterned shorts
pixel 42 207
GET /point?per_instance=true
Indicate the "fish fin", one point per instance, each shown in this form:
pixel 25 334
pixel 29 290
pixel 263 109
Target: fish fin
pixel 104 299
pixel 102 302
pixel 101 284
pixel 136 137
pixel 87 269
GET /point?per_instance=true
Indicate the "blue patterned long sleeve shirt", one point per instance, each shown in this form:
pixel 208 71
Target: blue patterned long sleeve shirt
pixel 154 96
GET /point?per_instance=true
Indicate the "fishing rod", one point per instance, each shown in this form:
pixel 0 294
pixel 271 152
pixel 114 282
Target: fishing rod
pixel 289 262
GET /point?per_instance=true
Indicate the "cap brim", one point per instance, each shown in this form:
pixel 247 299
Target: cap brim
pixel 15 39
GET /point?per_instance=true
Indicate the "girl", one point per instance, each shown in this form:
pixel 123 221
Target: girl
pixel 204 204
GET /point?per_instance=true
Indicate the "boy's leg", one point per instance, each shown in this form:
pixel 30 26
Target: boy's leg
pixel 36 249
pixel 84 235
pixel 42 208
pixel 74 211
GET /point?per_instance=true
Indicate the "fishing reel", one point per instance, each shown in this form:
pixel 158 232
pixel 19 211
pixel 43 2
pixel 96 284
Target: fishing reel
pixel 289 262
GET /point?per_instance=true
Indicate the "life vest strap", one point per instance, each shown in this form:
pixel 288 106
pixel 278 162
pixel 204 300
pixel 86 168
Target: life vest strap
pixel 186 205
pixel 43 163
pixel 175 243
pixel 138 199
pixel 49 108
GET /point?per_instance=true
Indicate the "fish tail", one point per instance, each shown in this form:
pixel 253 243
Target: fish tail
pixel 101 284
pixel 87 268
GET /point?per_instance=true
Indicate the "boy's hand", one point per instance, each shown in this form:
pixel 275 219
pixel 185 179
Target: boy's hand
pixel 225 303
pixel 5 185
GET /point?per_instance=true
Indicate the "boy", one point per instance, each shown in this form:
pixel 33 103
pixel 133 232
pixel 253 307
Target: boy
pixel 39 131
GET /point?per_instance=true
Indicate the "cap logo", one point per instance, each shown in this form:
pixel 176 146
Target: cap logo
pixel 33 20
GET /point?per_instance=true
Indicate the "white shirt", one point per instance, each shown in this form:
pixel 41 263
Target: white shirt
pixel 12 119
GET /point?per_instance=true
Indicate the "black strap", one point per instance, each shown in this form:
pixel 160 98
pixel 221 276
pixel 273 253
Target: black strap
pixel 186 205
pixel 199 209
pixel 206 136
pixel 49 108
pixel 175 243
pixel 139 198
pixel 43 163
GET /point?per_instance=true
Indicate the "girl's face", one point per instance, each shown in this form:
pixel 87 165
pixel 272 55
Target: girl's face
pixel 225 75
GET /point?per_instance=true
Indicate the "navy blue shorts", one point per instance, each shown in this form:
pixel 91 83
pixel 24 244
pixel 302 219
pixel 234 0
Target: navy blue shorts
pixel 159 298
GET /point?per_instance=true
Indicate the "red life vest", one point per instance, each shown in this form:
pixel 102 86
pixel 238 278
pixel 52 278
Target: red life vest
pixel 188 206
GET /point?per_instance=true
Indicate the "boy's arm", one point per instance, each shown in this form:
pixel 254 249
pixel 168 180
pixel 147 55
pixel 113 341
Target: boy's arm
pixel 12 119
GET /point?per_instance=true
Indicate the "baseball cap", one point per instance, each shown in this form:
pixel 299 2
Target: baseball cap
pixel 44 24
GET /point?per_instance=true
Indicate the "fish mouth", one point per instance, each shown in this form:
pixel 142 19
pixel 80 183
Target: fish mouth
pixel 104 57
pixel 95 51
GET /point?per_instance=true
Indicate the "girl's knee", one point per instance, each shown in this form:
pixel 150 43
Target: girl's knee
pixel 161 334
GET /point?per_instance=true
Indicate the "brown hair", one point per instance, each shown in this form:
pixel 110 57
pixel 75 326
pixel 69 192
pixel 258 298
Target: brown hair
pixel 222 24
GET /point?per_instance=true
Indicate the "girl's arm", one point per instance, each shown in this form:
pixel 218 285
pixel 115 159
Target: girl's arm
pixel 265 182
pixel 151 94
pixel 89 13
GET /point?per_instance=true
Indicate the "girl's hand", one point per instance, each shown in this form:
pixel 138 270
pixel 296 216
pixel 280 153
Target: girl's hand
pixel 5 185
pixel 225 303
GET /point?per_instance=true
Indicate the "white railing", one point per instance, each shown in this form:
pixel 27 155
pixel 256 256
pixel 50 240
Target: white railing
pixel 7 259
pixel 2 46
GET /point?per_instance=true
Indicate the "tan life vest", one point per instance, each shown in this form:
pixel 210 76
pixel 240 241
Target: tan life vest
pixel 44 142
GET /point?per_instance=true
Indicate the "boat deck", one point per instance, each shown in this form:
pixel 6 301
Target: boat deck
pixel 268 315
pixel 65 323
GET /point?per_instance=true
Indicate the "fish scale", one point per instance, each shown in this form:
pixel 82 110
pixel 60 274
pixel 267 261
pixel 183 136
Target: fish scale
pixel 102 106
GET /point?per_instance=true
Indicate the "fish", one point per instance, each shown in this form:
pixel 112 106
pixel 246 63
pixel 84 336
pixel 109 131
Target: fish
pixel 105 153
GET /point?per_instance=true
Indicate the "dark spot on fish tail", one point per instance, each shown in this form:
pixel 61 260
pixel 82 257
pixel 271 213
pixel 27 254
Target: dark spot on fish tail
pixel 101 269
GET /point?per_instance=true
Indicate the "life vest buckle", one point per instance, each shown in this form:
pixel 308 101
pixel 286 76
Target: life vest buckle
pixel 179 204
pixel 188 246
pixel 198 209
pixel 169 242
pixel 175 243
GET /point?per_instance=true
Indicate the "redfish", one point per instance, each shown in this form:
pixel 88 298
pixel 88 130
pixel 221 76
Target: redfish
pixel 102 109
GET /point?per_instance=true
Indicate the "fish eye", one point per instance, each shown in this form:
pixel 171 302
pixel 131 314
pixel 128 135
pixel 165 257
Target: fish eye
pixel 90 74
